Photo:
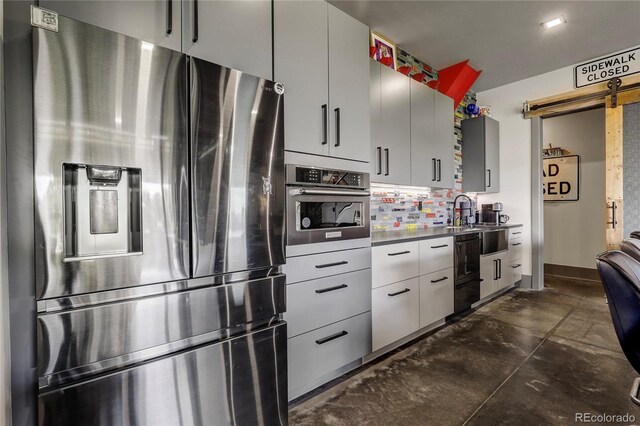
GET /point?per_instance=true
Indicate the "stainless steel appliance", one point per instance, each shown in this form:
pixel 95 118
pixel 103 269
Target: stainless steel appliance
pixel 326 205
pixel 494 241
pixel 492 214
pixel 467 271
pixel 151 310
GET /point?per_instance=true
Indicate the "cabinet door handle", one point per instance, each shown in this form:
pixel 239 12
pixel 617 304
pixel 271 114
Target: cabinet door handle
pixel 516 266
pixel 440 246
pixel 406 290
pixel 379 160
pixel 332 337
pixel 495 269
pixel 195 21
pixel 441 279
pixel 434 174
pixel 325 119
pixel 399 253
pixel 439 170
pixel 328 289
pixel 169 17
pixel 329 265
pixel 386 153
pixel 337 111
pixel 489 184
pixel 516 244
pixel 499 268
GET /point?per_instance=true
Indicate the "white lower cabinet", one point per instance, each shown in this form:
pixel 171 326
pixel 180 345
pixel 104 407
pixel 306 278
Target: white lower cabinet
pixel 436 296
pixel 395 262
pixel 516 271
pixel 495 273
pixel 313 355
pixel 395 312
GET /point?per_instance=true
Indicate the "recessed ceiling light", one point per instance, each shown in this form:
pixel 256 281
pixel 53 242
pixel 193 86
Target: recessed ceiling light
pixel 554 22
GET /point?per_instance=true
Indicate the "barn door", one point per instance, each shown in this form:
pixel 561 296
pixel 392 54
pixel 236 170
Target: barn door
pixel 617 167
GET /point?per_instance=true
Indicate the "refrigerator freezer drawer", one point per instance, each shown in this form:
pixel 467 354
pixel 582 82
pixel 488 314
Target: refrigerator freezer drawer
pixel 77 343
pixel 240 381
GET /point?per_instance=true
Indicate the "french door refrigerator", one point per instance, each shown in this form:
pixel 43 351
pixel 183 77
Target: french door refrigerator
pixel 159 210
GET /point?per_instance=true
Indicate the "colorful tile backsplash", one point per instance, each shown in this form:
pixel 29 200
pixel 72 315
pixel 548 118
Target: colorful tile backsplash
pixel 395 208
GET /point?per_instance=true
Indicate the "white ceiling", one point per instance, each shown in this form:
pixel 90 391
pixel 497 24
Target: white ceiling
pixel 503 38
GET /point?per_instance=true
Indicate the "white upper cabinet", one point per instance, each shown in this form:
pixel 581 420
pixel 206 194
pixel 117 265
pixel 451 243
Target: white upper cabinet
pixel 348 87
pixel 391 162
pixel 301 63
pixel 321 57
pixel 231 33
pixel 424 153
pixel 444 140
pixel 155 21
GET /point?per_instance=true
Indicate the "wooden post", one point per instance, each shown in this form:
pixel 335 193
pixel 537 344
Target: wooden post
pixel 614 164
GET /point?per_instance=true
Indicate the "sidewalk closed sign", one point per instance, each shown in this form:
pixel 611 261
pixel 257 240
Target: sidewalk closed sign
pixel 604 69
pixel 561 178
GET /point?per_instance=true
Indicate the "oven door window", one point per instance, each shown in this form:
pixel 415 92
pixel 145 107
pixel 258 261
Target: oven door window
pixel 313 215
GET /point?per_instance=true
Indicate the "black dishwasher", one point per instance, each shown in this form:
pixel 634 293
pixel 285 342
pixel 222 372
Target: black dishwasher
pixel 467 271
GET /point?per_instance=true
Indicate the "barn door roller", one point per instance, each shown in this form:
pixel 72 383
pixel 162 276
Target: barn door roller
pixel 613 85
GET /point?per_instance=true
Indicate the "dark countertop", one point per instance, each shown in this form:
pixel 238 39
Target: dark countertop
pixel 381 238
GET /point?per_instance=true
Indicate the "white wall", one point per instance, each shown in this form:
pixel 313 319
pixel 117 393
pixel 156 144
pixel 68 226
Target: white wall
pixel 515 144
pixel 574 230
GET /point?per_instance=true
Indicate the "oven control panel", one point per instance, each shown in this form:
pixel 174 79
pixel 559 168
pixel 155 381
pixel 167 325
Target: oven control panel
pixel 300 175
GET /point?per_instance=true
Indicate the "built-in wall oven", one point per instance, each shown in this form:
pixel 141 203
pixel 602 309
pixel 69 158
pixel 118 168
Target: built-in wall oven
pixel 326 205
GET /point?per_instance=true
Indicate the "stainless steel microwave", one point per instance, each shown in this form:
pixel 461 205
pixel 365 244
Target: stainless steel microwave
pixel 326 205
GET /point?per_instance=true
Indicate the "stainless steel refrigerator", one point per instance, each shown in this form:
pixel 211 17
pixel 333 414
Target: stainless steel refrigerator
pixel 159 231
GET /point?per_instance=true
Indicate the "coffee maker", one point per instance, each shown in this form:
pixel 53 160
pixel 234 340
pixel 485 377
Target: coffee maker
pixel 491 214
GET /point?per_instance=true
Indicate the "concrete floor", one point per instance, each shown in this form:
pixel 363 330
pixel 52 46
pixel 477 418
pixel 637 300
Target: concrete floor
pixel 527 358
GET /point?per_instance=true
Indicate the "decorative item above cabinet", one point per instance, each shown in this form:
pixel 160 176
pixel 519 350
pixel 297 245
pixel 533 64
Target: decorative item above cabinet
pixel 321 57
pixel 480 155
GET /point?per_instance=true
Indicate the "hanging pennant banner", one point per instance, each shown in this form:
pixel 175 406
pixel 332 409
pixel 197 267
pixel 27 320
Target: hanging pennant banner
pixel 604 69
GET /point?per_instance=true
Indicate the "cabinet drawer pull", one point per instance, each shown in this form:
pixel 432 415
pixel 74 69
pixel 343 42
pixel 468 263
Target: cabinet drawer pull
pixel 516 244
pixel 516 266
pixel 406 290
pixel 328 289
pixel 329 265
pixel 399 253
pixel 441 279
pixel 332 337
pixel 440 246
pixel 517 233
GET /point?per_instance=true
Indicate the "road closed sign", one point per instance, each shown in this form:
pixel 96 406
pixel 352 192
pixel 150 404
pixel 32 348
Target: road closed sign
pixel 561 178
pixel 604 69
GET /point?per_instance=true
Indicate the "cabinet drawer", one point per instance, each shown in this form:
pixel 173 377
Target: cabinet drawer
pixel 436 296
pixel 515 249
pixel 314 304
pixel 436 255
pixel 305 268
pixel 515 269
pixel 395 312
pixel 515 233
pixel 394 263
pixel 319 352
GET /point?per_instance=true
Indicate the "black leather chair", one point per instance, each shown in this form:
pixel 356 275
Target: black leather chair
pixel 635 234
pixel 631 246
pixel 620 275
